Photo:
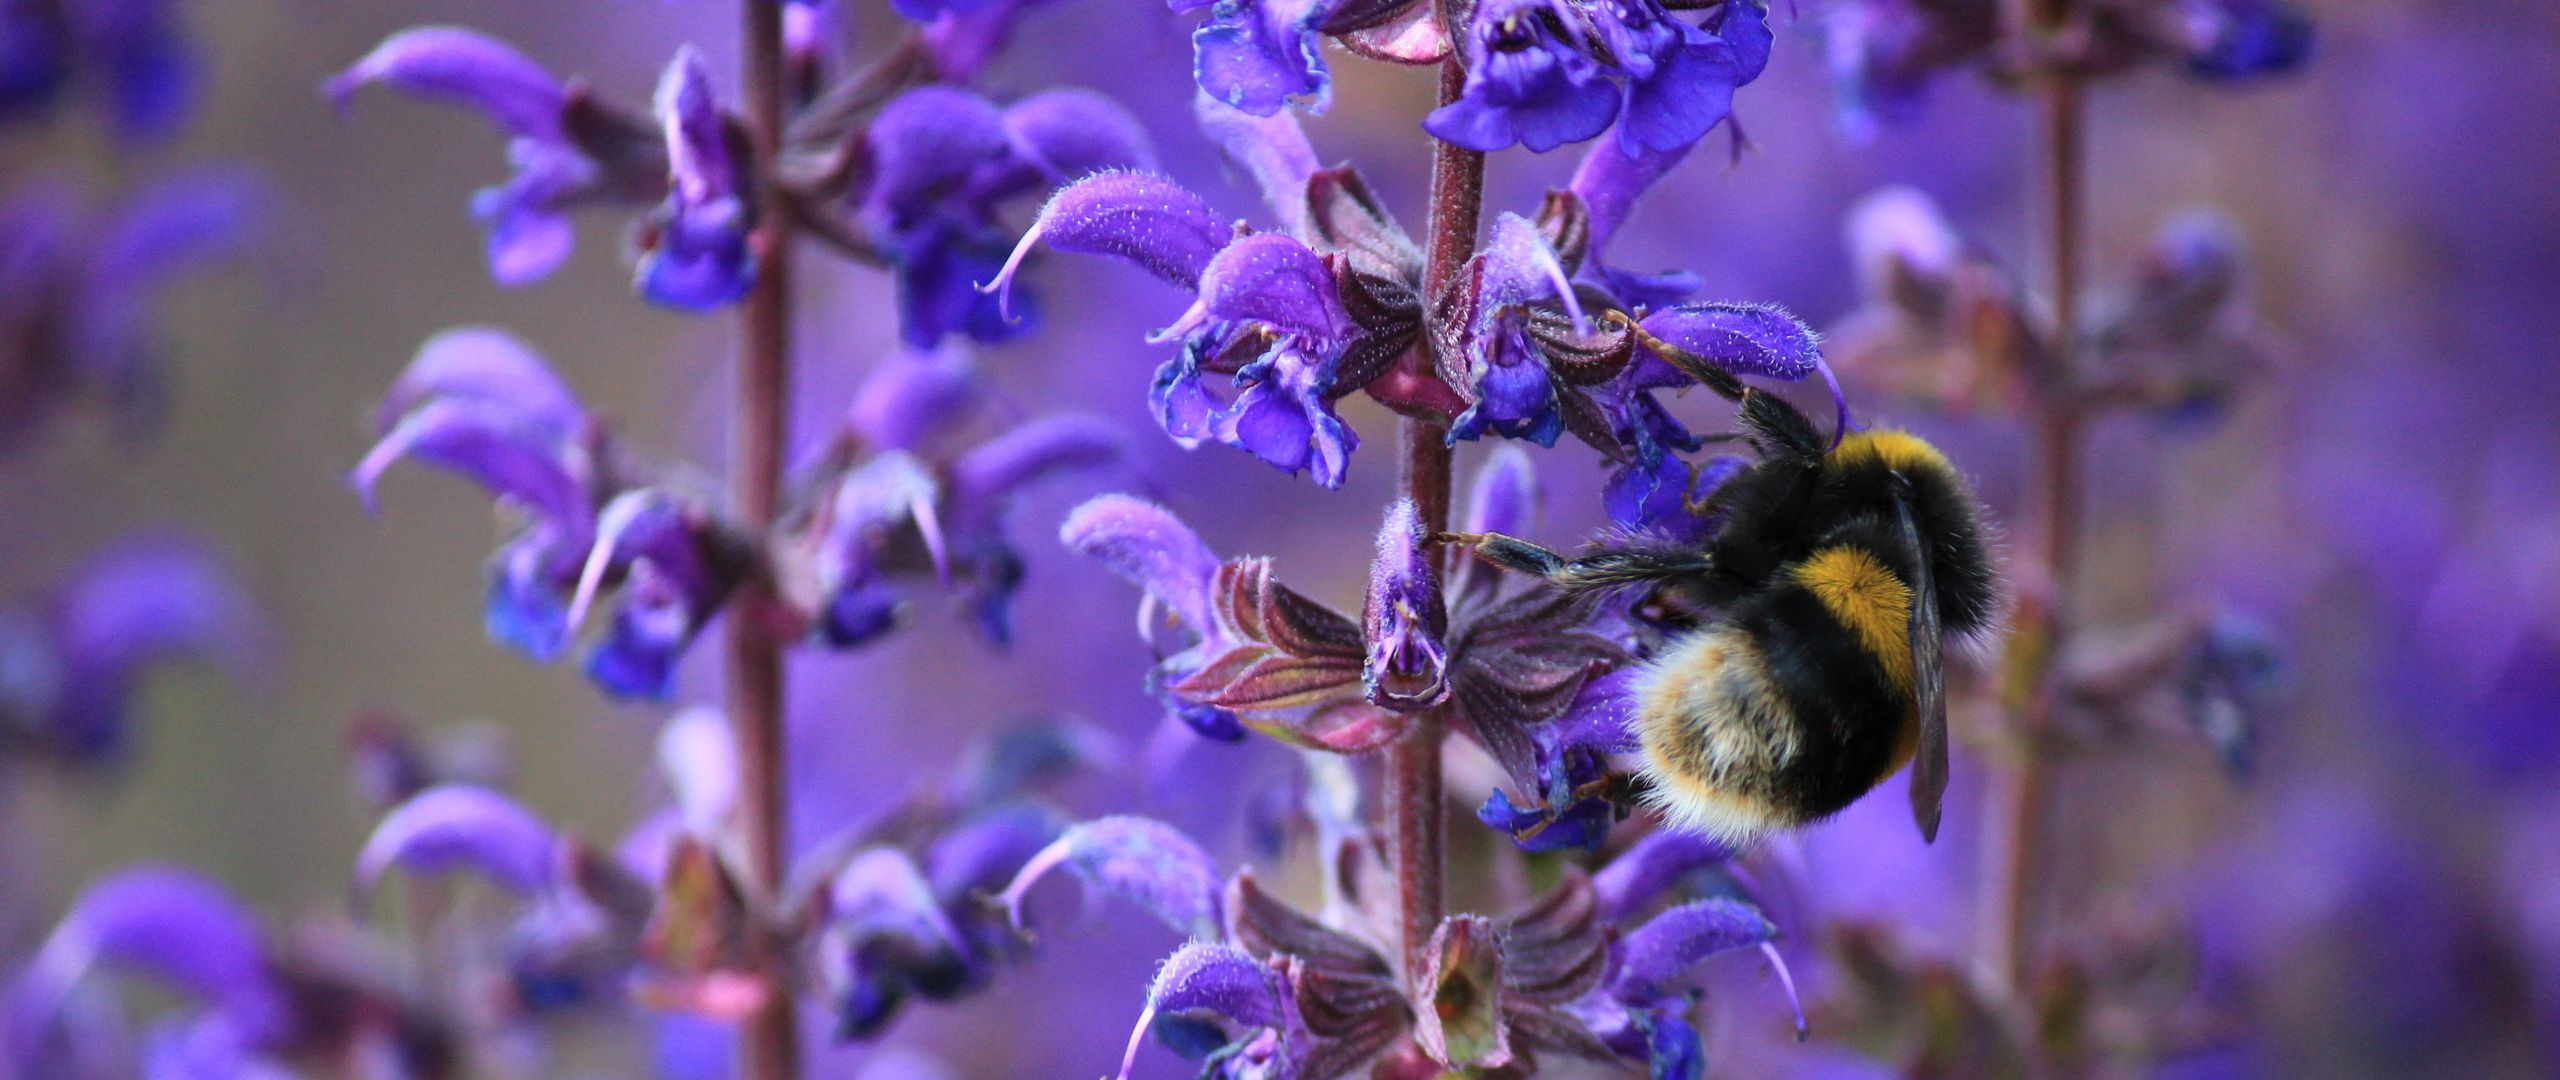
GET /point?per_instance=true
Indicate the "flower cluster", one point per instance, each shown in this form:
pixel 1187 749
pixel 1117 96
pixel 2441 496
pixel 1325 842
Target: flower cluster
pixel 1600 968
pixel 1533 338
pixel 911 177
pixel 599 523
pixel 1884 53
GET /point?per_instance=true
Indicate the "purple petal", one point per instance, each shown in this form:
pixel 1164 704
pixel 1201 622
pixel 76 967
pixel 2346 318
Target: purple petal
pixel 163 922
pixel 1273 279
pixel 1258 55
pixel 488 366
pixel 1689 93
pixel 208 1047
pixel 1285 418
pixel 909 399
pixel 1068 133
pixel 526 217
pixel 1746 339
pixel 1524 86
pixel 143 48
pixel 1146 544
pixel 1141 859
pixel 696 256
pixel 1142 217
pixel 926 144
pixel 1210 979
pixel 152 597
pixel 987 477
pixel 1272 149
pixel 1610 180
pixel 467 68
pixel 1506 496
pixel 510 458
pixel 1642 873
pixel 454 827
pixel 1652 956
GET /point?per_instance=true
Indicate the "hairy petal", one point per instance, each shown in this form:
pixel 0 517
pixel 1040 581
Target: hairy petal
pixel 1144 860
pixel 1146 544
pixel 1651 957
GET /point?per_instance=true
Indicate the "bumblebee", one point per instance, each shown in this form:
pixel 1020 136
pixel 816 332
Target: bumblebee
pixel 1805 661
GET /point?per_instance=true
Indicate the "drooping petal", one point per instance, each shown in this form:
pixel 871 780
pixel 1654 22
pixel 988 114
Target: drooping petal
pixel 659 548
pixel 1069 133
pixel 163 922
pixel 466 68
pixel 1201 985
pixel 1286 417
pixel 487 366
pixel 1747 339
pixel 459 827
pixel 514 460
pixel 1651 957
pixel 1151 548
pixel 149 598
pixel 1151 221
pixel 1141 859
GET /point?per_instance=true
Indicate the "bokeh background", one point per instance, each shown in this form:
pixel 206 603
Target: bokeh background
pixel 2383 895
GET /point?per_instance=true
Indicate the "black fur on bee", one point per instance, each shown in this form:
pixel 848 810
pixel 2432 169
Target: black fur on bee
pixel 1808 665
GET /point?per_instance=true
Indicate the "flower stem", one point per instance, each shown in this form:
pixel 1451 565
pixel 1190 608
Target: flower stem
pixel 2021 798
pixel 768 1041
pixel 1414 800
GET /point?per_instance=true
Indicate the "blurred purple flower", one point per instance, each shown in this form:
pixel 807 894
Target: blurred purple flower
pixel 457 827
pixel 75 295
pixel 72 660
pixel 135 51
pixel 479 403
pixel 571 149
pixel 944 162
pixel 163 923
pixel 694 252
pixel 917 506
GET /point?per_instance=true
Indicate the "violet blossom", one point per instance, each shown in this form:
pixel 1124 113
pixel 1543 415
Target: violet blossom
pixel 479 403
pixel 76 289
pixel 1544 73
pixel 73 660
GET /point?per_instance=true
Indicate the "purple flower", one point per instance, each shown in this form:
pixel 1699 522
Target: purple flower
pixel 1259 55
pixel 478 403
pixel 945 162
pixel 571 149
pixel 75 295
pixel 1542 74
pixel 2242 39
pixel 910 512
pixel 135 50
pixel 72 661
pixel 1530 81
pixel 163 923
pixel 458 827
pixel 1139 859
pixel 1407 666
pixel 694 254
pixel 1155 551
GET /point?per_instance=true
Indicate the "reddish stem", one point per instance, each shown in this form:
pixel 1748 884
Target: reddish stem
pixel 768 1040
pixel 1414 803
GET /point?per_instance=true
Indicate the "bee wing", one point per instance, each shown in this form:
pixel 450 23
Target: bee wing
pixel 1928 686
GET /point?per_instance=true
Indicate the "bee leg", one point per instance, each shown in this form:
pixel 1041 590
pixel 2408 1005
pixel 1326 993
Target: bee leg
pixel 1604 569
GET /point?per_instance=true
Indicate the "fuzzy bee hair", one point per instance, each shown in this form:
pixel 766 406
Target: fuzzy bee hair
pixel 1808 666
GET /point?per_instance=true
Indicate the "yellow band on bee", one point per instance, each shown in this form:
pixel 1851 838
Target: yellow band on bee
pixel 1874 605
pixel 1900 451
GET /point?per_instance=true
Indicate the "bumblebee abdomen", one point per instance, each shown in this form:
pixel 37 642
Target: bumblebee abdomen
pixel 1790 707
